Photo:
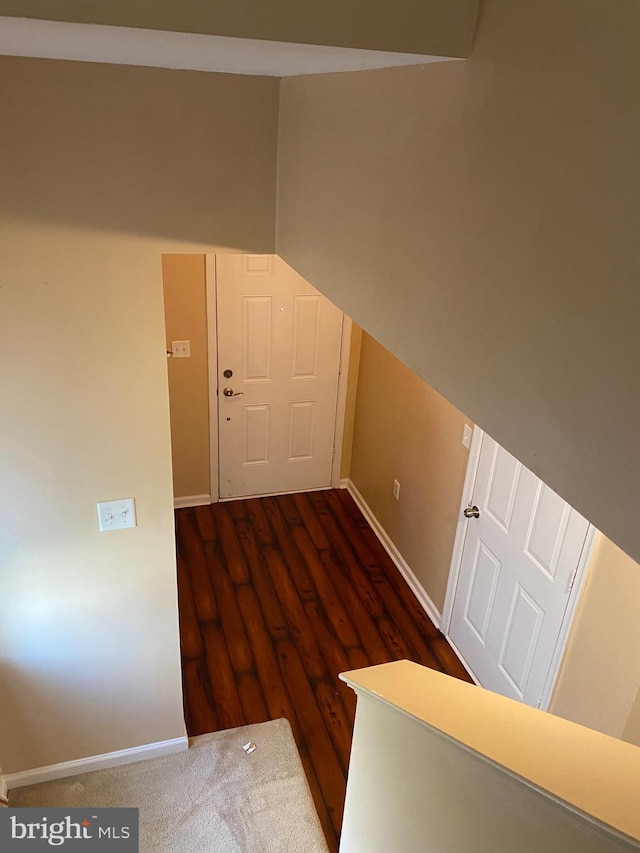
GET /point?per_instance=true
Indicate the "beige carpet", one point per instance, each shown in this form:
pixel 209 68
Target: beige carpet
pixel 212 797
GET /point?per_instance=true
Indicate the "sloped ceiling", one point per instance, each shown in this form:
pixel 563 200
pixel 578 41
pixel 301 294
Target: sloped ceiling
pixel 161 49
pixel 279 38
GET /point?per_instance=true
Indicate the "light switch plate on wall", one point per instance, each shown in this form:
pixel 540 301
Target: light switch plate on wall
pixel 466 436
pixel 114 515
pixel 181 349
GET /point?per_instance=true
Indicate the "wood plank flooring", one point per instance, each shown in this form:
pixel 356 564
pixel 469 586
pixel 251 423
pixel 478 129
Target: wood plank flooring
pixel 277 596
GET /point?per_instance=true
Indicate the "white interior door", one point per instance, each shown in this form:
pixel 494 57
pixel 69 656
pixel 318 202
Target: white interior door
pixel 278 367
pixel 518 564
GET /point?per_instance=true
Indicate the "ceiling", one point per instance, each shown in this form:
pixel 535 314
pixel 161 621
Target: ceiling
pixel 199 52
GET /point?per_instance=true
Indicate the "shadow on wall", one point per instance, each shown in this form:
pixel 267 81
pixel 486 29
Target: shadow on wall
pixel 103 168
pixel 31 715
pixel 182 155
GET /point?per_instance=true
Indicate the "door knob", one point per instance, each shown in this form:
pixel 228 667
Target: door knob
pixel 229 392
pixel 472 512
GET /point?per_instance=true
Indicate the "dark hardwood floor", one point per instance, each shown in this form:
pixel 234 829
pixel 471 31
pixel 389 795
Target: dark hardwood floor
pixel 279 595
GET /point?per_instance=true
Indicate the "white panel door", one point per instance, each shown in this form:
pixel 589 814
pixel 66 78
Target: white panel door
pixel 518 564
pixel 279 343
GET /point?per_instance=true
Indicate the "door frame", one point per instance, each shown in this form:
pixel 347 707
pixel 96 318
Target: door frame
pixel 212 377
pixel 579 577
pixel 212 380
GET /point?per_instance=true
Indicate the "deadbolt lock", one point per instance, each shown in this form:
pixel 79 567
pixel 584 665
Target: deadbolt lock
pixel 227 373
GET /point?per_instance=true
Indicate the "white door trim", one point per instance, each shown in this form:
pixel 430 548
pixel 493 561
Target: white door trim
pixel 341 407
pixel 461 529
pixel 572 605
pixel 456 562
pixel 212 367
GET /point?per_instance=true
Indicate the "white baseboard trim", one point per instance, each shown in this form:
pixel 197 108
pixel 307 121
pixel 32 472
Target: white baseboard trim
pixel 191 500
pixel 96 762
pixel 344 483
pixel 463 661
pixel 416 587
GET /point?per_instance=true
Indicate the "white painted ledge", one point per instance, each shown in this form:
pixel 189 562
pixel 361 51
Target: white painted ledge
pixel 594 776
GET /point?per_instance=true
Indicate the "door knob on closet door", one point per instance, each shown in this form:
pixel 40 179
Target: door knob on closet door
pixel 472 512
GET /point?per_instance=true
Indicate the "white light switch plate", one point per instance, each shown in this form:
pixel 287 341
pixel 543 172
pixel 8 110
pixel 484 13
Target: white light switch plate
pixel 466 436
pixel 181 349
pixel 114 515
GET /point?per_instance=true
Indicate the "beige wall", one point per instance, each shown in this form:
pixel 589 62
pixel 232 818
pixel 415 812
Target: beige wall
pixel 103 169
pixel 599 681
pixel 407 431
pixel 479 219
pixel 428 27
pixel 185 315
